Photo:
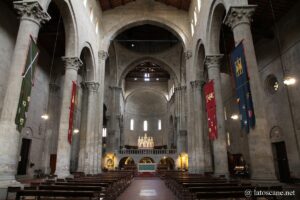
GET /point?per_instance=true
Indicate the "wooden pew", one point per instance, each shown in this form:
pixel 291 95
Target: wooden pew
pixel 50 193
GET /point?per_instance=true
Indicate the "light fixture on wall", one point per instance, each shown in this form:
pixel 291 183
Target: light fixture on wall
pixel 45 116
pixel 234 117
pixel 76 130
pixel 289 80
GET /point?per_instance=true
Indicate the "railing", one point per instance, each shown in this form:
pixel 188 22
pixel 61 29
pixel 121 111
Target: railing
pixel 148 151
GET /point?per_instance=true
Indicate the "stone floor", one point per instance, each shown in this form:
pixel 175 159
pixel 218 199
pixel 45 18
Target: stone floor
pixel 147 188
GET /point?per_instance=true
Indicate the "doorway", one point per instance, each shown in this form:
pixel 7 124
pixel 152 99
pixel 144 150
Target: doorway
pixel 23 163
pixel 282 161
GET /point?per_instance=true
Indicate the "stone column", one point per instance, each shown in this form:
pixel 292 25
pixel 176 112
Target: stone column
pixel 83 128
pixel 213 64
pixel 180 95
pixel 32 16
pixel 91 136
pixel 261 159
pixel 102 56
pixel 115 119
pixel 198 113
pixel 50 137
pixel 191 129
pixel 72 65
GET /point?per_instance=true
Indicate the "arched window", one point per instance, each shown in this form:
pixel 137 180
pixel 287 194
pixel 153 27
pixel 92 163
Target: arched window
pixel 132 124
pixel 145 125
pixel 104 132
pixel 97 27
pixel 159 125
pixel 192 27
pixel 199 5
pixel 91 15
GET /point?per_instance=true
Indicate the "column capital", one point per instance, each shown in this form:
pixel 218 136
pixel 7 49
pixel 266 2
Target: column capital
pixel 188 54
pixel 91 86
pixel 197 83
pixel 179 88
pixel 213 61
pixel 102 55
pixel 239 15
pixel 31 10
pixel 72 63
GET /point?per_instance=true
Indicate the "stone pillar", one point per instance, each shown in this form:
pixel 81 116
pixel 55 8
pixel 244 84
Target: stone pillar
pixel 213 64
pixel 83 128
pixel 191 128
pixel 180 95
pixel 198 113
pixel 32 15
pixel 115 115
pixel 72 65
pixel 261 159
pixel 91 136
pixel 102 56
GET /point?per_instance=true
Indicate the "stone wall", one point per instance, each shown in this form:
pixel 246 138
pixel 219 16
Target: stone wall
pixel 146 105
pixel 283 106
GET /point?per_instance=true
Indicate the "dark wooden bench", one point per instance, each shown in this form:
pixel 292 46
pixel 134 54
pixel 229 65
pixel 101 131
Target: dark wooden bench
pixel 12 190
pixel 50 193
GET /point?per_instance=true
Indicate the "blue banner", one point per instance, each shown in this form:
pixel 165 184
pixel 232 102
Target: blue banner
pixel 244 98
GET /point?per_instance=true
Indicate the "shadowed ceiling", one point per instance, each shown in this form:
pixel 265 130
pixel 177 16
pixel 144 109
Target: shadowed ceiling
pixel 110 4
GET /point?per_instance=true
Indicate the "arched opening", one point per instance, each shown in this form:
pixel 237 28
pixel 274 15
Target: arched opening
pixel 44 98
pixel 127 163
pixel 147 160
pixel 166 163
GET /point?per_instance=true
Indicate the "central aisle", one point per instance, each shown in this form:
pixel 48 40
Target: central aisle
pixel 147 189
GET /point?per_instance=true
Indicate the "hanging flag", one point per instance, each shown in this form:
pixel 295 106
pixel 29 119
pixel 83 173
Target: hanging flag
pixel 244 98
pixel 211 110
pixel 71 116
pixel 27 83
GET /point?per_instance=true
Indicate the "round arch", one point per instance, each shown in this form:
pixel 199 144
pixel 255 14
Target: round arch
pixel 167 163
pixel 144 89
pixel 87 57
pixel 199 59
pixel 70 24
pixel 151 20
pixel 146 160
pixel 162 64
pixel 127 162
pixel 217 13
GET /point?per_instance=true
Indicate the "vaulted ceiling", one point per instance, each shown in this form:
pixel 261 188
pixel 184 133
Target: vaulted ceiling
pixel 154 71
pixel 110 4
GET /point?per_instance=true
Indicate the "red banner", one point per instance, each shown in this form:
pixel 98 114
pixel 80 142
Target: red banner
pixel 211 110
pixel 72 106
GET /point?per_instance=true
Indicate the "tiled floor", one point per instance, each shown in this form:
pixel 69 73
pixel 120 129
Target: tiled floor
pixel 147 189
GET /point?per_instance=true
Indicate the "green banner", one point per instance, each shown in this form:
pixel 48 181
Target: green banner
pixel 27 83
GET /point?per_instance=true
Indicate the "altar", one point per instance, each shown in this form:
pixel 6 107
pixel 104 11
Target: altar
pixel 145 142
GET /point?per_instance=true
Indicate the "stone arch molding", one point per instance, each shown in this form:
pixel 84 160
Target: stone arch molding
pixel 159 62
pixel 91 69
pixel 70 23
pixel 141 20
pixel 199 64
pixel 137 157
pixel 214 26
pixel 139 89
